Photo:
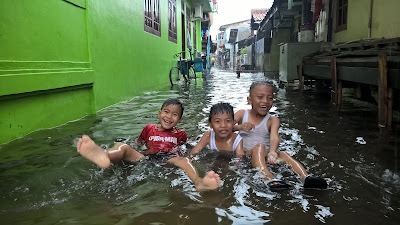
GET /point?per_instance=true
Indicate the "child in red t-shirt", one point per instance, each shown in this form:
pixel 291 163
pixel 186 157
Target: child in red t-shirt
pixel 159 139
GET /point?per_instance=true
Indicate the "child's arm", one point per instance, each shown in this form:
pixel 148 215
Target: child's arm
pixel 238 122
pixel 274 139
pixel 239 150
pixel 143 137
pixel 244 126
pixel 238 117
pixel 204 141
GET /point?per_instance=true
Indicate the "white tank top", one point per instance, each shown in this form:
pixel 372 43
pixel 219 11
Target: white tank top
pixel 259 134
pixel 213 146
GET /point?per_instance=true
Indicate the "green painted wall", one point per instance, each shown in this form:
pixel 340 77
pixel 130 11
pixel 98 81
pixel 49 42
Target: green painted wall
pixel 45 73
pixel 61 60
pixel 128 61
pixel 385 23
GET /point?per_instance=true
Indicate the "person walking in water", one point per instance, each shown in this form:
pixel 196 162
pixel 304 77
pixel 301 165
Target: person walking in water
pixel 162 142
pixel 259 131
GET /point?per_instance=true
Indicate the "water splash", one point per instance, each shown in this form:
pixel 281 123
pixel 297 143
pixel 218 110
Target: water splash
pixel 360 140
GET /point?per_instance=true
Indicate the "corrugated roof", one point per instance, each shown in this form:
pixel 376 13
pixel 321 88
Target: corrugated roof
pixel 258 14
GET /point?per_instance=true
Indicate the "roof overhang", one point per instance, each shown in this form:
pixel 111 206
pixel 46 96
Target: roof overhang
pixel 204 3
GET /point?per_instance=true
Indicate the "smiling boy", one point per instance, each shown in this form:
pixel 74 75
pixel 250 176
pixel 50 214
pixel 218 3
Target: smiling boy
pixel 259 131
pixel 221 137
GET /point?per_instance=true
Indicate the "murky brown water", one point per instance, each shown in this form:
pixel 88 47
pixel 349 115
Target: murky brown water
pixel 44 180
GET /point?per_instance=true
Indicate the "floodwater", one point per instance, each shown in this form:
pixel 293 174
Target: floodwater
pixel 45 181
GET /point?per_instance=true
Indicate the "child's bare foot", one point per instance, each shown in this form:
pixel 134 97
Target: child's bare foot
pixel 210 181
pixel 88 149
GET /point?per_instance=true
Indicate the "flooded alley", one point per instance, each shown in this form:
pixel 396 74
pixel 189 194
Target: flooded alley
pixel 45 181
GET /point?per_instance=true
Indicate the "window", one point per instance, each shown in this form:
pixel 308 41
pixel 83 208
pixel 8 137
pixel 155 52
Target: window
pixel 152 16
pixel 341 14
pixel 172 36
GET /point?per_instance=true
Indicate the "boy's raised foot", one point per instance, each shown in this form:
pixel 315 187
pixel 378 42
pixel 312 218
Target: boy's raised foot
pixel 210 181
pixel 88 149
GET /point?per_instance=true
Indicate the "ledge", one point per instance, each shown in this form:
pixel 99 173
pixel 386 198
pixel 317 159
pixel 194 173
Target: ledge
pixel 21 78
pixel 26 83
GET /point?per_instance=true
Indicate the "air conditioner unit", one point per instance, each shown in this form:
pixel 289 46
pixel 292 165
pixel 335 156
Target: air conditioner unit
pixel 198 13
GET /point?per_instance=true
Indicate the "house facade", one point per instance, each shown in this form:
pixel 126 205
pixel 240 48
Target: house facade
pixel 337 43
pixel 354 20
pixel 61 60
pixel 233 33
pixel 327 21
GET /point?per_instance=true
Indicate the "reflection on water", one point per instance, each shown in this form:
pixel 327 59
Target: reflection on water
pixel 44 180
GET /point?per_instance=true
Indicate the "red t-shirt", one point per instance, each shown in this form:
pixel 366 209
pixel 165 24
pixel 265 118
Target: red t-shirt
pixel 162 141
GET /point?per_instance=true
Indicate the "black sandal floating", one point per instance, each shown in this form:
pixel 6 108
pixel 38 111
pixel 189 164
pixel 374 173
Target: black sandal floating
pixel 315 182
pixel 120 140
pixel 277 185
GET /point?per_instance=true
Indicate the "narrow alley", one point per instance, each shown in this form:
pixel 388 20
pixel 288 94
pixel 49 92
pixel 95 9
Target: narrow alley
pixel 48 182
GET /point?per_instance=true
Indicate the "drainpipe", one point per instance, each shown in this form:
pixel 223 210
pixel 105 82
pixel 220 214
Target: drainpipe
pixel 370 19
pixel 329 33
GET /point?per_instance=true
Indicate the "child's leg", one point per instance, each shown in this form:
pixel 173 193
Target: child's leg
pixel 258 154
pixel 121 151
pixel 296 166
pixel 309 181
pixel 88 149
pixel 210 181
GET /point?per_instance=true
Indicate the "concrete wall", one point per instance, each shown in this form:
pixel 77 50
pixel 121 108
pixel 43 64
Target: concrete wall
pixel 259 54
pixel 61 60
pixel 271 60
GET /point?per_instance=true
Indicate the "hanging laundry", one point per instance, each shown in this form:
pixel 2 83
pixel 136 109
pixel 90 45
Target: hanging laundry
pixel 317 9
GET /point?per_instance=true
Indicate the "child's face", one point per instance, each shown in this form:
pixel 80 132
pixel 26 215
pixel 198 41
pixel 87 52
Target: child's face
pixel 222 124
pixel 169 116
pixel 261 99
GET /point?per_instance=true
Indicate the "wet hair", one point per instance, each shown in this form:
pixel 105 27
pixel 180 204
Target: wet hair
pixel 220 108
pixel 256 83
pixel 173 101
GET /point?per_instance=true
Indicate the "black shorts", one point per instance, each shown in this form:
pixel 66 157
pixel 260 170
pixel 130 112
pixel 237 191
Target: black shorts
pixel 162 156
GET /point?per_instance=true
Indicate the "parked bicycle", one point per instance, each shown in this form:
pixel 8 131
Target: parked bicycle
pixel 185 69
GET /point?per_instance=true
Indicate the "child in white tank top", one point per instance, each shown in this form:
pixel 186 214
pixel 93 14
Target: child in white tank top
pixel 259 131
pixel 221 137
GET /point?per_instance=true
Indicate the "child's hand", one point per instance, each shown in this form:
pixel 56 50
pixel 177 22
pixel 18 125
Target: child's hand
pixel 246 126
pixel 272 158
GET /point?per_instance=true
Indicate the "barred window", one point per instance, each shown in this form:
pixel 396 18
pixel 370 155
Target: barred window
pixel 172 30
pixel 152 16
pixel 341 13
